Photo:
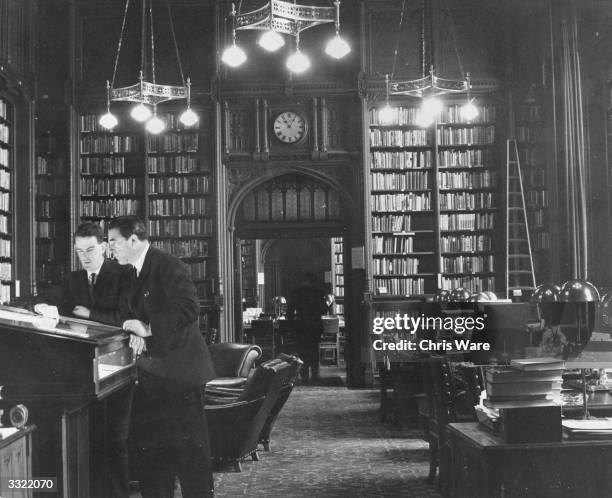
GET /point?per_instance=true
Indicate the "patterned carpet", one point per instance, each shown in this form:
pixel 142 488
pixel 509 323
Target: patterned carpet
pixel 328 442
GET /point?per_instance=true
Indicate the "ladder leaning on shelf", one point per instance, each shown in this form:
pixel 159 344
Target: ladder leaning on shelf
pixel 519 258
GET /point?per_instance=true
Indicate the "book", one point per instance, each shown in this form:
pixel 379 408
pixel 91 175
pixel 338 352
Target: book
pixel 538 364
pixel 519 388
pixel 520 403
pixel 510 375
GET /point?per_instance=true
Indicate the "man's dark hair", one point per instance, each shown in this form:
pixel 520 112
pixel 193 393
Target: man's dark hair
pixel 90 229
pixel 128 226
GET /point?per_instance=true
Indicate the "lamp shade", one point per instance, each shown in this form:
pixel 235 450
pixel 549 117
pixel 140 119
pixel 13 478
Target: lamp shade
pixel 579 291
pixel 442 296
pixel 279 300
pixel 546 293
pixel 459 295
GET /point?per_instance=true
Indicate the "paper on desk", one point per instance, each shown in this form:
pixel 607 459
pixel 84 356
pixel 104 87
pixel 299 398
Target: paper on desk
pixel 591 424
pixel 7 432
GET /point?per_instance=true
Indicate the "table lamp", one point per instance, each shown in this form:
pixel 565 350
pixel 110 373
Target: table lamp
pixel 279 303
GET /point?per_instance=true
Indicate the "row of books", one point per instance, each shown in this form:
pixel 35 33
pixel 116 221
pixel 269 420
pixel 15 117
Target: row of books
pixel 6 250
pixel 537 198
pixel 198 270
pixel 391 223
pixel 389 244
pixel 5 179
pixel 4 133
pixel 402 202
pixel 465 243
pixel 405 159
pixel 5 293
pixel 399 116
pixel 541 240
pixel 181 228
pixel 396 266
pixel 45 252
pixel 537 218
pixel 174 164
pixel 401 286
pixel 4 158
pixel 91 122
pixel 46 208
pixel 179 185
pixel 466 200
pixel 466 136
pixel 531 113
pixel 109 207
pixel 45 166
pixel 179 206
pixel 471 283
pixel 528 134
pixel 472 158
pixel 109 144
pixel 530 156
pixel 403 116
pixel 49 229
pixel 3 109
pixel 108 186
pixel 105 165
pixel 4 224
pixel 466 179
pixel 6 271
pixel 467 264
pixel 397 138
pixel 5 201
pixel 452 114
pixel 172 142
pixel 400 181
pixel 471 221
pixel 338 257
pixel 46 185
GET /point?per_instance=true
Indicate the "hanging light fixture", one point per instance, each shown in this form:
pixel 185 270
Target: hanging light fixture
pixel 387 114
pixel 429 87
pixel 147 95
pixel 278 17
pixel 469 111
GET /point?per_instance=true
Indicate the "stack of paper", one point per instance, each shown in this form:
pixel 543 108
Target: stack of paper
pixel 598 428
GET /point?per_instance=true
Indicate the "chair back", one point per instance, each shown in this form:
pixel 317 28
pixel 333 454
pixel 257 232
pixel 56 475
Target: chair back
pixel 232 359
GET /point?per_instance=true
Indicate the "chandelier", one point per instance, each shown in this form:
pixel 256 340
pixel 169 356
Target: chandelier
pixel 429 86
pixel 277 17
pixel 147 94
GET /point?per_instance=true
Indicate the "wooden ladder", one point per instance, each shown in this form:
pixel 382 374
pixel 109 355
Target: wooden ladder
pixel 520 273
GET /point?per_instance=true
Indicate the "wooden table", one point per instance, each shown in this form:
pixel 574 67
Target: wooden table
pixel 484 466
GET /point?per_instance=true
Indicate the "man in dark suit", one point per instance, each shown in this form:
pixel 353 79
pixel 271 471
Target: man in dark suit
pixel 94 293
pixel 168 425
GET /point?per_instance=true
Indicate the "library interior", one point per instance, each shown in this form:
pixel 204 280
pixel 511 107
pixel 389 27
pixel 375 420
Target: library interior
pixel 377 232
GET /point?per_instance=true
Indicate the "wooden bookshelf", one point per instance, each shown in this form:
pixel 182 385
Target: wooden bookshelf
pixel 337 264
pixel 6 201
pixel 435 202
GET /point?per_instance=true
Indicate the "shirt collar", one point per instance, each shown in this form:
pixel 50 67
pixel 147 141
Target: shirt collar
pixel 140 261
pixel 96 271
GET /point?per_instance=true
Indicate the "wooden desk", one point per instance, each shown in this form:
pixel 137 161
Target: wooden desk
pixel 484 466
pixel 16 461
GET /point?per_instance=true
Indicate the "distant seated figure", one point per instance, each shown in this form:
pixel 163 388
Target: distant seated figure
pixel 553 341
pixel 306 305
pixel 94 292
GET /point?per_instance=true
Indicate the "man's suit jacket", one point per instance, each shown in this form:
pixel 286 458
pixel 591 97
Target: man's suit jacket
pixel 165 297
pixel 112 282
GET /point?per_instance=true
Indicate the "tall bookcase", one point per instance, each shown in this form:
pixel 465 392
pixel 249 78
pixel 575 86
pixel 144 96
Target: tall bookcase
pixel 165 179
pixel 530 130
pixel 52 247
pixel 337 244
pixel 6 200
pixel 249 255
pixel 434 201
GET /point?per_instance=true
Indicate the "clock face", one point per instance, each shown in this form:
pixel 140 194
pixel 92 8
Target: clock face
pixel 289 127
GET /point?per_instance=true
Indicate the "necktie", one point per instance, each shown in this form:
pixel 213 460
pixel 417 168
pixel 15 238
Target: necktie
pixel 92 281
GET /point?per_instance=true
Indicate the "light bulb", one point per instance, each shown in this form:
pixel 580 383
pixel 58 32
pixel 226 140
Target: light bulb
pixel 108 121
pixel 337 47
pixel 271 40
pixel 155 125
pixel 432 107
pixel 298 62
pixel 386 115
pixel 189 118
pixel 233 56
pixel 423 119
pixel 140 113
pixel 469 111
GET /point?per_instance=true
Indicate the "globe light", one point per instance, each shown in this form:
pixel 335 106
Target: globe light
pixel 337 47
pixel 469 111
pixel 432 107
pixel 233 56
pixel 271 41
pixel 140 112
pixel 108 121
pixel 424 119
pixel 298 62
pixel 386 115
pixel 155 125
pixel 189 118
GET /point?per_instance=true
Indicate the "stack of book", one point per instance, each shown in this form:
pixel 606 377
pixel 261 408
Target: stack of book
pixel 525 383
pixel 587 429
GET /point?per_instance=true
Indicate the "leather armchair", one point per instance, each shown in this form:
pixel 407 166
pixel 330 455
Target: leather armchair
pixel 233 363
pixel 235 423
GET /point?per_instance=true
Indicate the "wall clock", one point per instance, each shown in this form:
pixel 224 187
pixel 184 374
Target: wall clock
pixel 289 127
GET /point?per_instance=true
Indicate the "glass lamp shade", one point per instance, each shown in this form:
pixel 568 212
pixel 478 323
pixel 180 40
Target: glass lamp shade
pixel 155 125
pixel 546 293
pixel 432 107
pixel 442 296
pixel 491 294
pixel 387 115
pixel 298 62
pixel 578 291
pixel 140 113
pixel 271 41
pixel 459 295
pixel 189 118
pixel 469 111
pixel 108 121
pixel 337 47
pixel 423 119
pixel 233 56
